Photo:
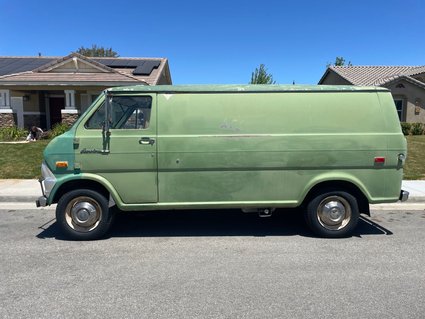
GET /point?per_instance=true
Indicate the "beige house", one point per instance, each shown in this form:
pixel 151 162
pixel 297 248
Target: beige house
pixel 407 85
pixel 43 91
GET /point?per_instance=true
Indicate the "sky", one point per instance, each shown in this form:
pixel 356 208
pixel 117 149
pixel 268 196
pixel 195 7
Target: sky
pixel 219 42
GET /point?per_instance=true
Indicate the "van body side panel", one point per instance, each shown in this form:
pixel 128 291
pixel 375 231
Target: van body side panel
pixel 60 149
pixel 257 146
pixel 223 147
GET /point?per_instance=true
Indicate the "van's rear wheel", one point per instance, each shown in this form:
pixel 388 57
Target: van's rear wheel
pixel 83 214
pixel 332 214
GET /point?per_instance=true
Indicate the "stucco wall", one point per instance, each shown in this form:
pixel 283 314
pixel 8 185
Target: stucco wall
pixel 31 102
pixel 334 79
pixel 33 108
pixel 413 100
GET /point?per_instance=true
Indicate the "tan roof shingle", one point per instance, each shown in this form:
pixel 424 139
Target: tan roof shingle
pixel 67 77
pixel 375 75
pixel 370 75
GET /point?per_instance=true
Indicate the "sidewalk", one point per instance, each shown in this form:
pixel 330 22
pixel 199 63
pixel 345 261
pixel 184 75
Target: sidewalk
pixel 416 190
pixel 19 190
pixel 28 190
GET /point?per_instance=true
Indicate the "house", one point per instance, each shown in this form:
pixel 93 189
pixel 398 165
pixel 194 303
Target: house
pixel 407 85
pixel 43 91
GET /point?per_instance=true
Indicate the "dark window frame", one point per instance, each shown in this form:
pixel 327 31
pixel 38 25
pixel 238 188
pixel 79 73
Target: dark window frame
pixel 399 102
pixel 127 111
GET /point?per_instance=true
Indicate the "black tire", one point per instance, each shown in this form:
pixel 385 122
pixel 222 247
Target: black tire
pixel 83 215
pixel 332 214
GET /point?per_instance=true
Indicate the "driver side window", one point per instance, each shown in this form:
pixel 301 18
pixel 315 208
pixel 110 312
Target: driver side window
pixel 127 112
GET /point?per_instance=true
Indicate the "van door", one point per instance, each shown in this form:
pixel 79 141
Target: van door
pixel 128 158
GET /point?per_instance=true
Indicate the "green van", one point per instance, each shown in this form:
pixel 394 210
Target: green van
pixel 330 150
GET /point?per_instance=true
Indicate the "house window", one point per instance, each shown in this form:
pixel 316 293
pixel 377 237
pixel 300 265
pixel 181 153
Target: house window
pixel 399 108
pixel 4 98
pixel 69 99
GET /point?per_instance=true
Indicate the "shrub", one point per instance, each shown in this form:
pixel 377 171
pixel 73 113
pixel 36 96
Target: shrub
pixel 58 129
pixel 405 127
pixel 13 133
pixel 417 129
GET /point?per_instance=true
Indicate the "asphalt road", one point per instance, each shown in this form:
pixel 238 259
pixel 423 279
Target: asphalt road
pixel 212 265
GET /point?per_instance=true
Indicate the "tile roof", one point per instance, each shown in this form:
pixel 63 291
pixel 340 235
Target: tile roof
pixel 67 77
pixel 374 75
pixel 57 62
pixel 408 79
pixel 416 71
pixel 41 69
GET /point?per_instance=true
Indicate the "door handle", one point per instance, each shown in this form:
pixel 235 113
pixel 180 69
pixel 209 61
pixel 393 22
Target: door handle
pixel 146 141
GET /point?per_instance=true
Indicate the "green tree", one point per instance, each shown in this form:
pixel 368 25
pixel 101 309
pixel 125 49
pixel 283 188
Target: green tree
pixel 339 61
pixel 96 51
pixel 260 76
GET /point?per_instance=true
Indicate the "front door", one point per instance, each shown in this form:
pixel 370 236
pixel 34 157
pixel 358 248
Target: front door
pixel 56 104
pixel 127 159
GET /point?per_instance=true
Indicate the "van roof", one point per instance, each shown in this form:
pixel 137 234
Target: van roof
pixel 263 88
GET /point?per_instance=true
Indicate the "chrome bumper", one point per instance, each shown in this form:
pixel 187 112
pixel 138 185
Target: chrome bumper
pixel 41 201
pixel 404 195
pixel 47 182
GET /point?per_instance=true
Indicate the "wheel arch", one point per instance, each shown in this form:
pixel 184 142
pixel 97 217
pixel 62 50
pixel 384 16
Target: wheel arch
pixel 340 185
pixel 86 182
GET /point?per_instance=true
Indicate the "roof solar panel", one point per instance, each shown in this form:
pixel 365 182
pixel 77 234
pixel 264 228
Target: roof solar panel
pixel 103 61
pixel 7 70
pixel 113 63
pixel 120 63
pixel 16 65
pixel 130 63
pixel 141 67
pixel 146 68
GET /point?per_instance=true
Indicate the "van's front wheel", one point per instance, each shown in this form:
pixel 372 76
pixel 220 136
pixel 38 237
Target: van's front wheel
pixel 332 214
pixel 83 214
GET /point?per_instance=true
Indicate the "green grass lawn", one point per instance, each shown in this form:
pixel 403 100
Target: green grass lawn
pixel 24 160
pixel 21 160
pixel 415 164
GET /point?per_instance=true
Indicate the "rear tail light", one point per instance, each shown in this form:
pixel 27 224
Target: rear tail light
pixel 380 160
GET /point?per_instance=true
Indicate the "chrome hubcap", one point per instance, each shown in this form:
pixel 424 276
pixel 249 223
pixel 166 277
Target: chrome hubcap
pixel 83 214
pixel 334 212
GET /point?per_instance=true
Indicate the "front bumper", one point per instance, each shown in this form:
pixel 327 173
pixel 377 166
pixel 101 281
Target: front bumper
pixel 47 182
pixel 404 195
pixel 41 201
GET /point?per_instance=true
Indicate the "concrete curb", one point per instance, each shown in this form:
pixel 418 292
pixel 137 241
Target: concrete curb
pixel 414 199
pixel 19 190
pixel 19 199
